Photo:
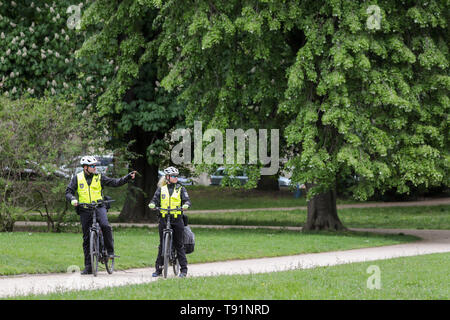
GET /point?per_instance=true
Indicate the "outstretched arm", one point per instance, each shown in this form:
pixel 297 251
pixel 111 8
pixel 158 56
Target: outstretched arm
pixel 111 182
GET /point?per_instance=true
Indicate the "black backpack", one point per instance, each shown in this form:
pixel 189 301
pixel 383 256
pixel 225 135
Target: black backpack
pixel 189 240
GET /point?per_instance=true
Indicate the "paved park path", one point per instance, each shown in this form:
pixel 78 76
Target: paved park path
pixel 432 241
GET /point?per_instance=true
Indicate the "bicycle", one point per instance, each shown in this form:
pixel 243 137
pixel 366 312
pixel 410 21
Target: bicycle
pixel 96 242
pixel 168 250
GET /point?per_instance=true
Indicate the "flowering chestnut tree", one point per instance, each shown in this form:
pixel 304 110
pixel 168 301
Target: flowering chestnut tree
pixel 38 41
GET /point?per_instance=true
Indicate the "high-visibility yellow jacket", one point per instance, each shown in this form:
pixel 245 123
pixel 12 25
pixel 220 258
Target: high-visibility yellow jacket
pixel 88 193
pixel 170 201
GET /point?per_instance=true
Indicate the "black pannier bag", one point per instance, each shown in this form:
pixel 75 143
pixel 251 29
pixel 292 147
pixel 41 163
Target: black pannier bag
pixel 189 240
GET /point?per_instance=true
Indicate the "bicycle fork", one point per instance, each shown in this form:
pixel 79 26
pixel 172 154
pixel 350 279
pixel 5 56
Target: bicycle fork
pixel 97 230
pixel 170 233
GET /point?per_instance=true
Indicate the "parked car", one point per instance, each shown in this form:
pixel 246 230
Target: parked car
pixel 284 182
pixel 181 179
pixel 74 167
pixel 217 177
pixel 35 170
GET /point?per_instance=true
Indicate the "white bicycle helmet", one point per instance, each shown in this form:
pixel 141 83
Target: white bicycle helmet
pixel 171 171
pixel 88 160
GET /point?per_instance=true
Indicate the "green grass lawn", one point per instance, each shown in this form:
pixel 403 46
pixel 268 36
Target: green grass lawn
pixel 428 217
pixel 37 252
pixel 226 198
pixel 215 197
pixel 421 277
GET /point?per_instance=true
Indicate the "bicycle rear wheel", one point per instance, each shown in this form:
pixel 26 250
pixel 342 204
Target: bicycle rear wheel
pixel 109 263
pixel 166 254
pixel 94 251
pixel 176 266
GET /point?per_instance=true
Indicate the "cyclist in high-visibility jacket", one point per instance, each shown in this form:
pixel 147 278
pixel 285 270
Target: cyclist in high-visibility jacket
pixel 170 194
pixel 88 184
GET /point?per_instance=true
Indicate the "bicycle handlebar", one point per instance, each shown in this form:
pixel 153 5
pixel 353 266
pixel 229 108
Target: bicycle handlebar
pixel 95 204
pixel 168 210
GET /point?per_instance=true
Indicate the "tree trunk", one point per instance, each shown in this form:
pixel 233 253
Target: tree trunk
pixel 322 212
pixel 142 189
pixel 268 183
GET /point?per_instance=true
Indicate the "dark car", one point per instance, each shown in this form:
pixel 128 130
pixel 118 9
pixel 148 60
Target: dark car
pixel 217 177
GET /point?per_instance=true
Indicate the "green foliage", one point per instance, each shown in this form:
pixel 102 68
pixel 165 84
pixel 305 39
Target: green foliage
pixel 372 102
pixel 349 97
pixel 37 136
pixel 133 104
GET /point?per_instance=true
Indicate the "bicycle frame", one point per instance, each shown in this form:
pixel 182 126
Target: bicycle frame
pixel 100 253
pixel 99 234
pixel 168 230
pixel 173 259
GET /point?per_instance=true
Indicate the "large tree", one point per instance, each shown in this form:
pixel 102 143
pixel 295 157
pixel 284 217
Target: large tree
pixel 231 71
pixel 363 88
pixel 136 108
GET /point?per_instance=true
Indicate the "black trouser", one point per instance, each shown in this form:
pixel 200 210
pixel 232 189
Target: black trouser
pixel 86 223
pixel 178 230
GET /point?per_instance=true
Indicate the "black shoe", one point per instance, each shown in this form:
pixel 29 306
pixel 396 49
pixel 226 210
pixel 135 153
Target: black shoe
pixel 183 275
pixel 86 271
pixel 157 273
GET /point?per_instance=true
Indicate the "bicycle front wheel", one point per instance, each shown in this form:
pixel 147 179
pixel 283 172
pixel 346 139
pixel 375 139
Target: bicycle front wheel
pixel 94 250
pixel 166 253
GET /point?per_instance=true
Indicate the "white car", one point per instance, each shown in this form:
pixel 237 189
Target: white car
pixel 284 182
pixel 48 170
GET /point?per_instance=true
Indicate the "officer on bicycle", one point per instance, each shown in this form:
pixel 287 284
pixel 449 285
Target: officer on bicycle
pixel 89 186
pixel 170 194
